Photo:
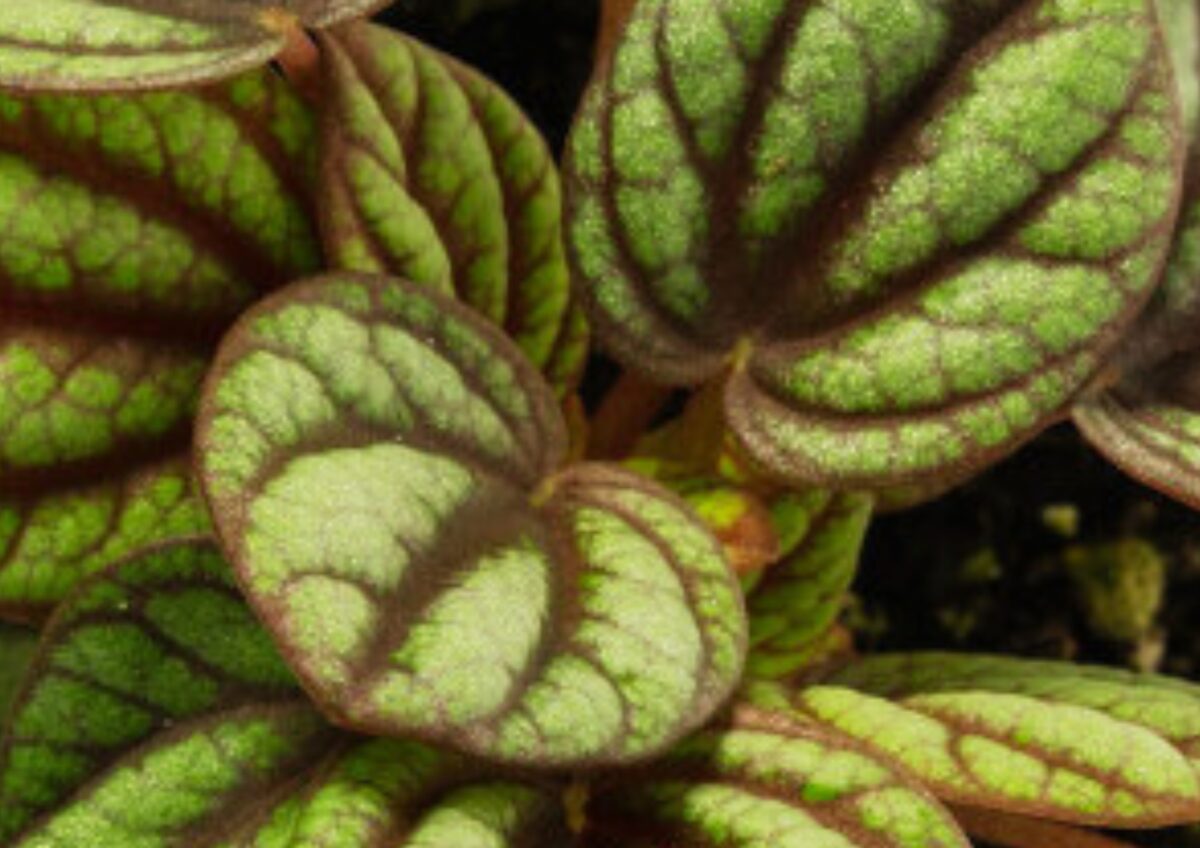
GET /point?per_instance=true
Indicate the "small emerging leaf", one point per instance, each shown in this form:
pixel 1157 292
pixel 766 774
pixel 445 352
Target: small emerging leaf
pixel 159 715
pixel 798 599
pixel 431 173
pixel 59 45
pixel 372 447
pixel 132 230
pixel 770 782
pixel 912 230
pixel 1015 749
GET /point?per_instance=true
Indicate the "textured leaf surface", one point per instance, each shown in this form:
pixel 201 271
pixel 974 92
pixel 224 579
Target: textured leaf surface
pixel 431 173
pixel 913 229
pixel 773 782
pixel 158 714
pixel 132 229
pixel 59 45
pixel 1013 751
pixel 47 544
pixel 798 599
pixel 375 448
pixel 1164 705
pixel 17 645
pixel 161 647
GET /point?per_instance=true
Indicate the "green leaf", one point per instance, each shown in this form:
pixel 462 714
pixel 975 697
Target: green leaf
pixel 133 229
pixel 798 599
pixel 433 174
pixel 1163 705
pixel 47 544
pixel 912 230
pixel 1181 24
pixel 158 648
pixel 61 45
pixel 1020 751
pixel 370 446
pixel 159 715
pixel 768 781
pixel 17 645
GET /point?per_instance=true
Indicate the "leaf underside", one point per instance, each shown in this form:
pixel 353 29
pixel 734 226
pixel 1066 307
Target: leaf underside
pixel 132 230
pixel 158 714
pixel 913 229
pixel 370 446
pixel 105 45
pixel 1051 740
pixel 773 782
pixel 431 173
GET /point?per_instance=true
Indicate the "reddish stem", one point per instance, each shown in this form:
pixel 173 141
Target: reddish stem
pixel 613 15
pixel 1014 831
pixel 624 415
pixel 300 61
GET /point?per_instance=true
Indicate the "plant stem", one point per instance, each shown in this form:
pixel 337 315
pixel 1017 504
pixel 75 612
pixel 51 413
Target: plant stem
pixel 624 414
pixel 300 60
pixel 1015 831
pixel 613 16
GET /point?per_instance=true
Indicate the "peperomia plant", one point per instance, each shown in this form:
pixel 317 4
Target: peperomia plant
pixel 296 476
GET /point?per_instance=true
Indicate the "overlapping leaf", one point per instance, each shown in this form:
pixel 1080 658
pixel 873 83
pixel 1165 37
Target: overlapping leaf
pixel 59 45
pixel 798 599
pixel 372 447
pixel 1051 741
pixel 132 229
pixel 912 229
pixel 158 714
pixel 769 781
pixel 431 173
pixel 1149 422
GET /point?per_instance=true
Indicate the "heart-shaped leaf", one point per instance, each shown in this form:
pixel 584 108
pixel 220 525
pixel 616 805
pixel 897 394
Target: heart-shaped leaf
pixel 768 781
pixel 158 714
pixel 1023 753
pixel 912 230
pixel 370 446
pixel 798 599
pixel 60 45
pixel 431 173
pixel 132 230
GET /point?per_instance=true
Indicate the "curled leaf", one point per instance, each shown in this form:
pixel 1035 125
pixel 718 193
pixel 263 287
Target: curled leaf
pixel 61 45
pixel 372 447
pixel 134 229
pixel 769 782
pixel 912 231
pixel 431 173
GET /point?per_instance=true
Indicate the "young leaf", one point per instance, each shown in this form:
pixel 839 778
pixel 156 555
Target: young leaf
pixel 771 781
pixel 371 446
pixel 134 229
pixel 912 229
pixel 431 173
pixel 798 599
pixel 158 714
pixel 1016 752
pixel 61 45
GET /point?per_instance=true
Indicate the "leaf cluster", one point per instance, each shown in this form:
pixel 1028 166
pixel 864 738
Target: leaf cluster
pixel 324 545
